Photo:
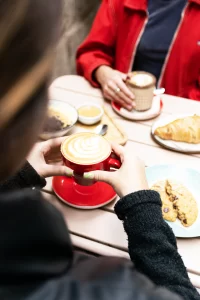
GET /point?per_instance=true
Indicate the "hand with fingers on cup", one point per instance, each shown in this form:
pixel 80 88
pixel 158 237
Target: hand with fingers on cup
pixel 114 87
pixel 40 159
pixel 131 177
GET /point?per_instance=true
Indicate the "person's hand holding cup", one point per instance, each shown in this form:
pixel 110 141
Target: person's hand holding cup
pixel 131 177
pixel 131 91
pixel 114 87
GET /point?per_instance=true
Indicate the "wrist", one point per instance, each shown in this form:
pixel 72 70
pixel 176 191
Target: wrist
pixel 136 183
pixel 99 73
pixel 136 187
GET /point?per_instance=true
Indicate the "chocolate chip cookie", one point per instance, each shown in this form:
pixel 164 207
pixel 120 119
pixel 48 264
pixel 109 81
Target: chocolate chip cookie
pixel 177 202
pixel 183 202
pixel 168 211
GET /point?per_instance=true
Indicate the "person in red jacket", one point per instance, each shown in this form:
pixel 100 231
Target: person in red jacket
pixel 160 37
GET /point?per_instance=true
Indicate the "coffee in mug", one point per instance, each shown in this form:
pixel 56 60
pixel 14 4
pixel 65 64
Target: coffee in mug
pixel 85 152
pixel 142 85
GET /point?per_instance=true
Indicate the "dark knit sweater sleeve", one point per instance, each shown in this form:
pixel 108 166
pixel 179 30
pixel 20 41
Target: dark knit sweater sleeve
pixel 27 177
pixel 152 244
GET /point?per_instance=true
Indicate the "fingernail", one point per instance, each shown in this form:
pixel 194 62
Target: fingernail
pixel 88 175
pixel 69 172
pixel 130 107
pixel 132 97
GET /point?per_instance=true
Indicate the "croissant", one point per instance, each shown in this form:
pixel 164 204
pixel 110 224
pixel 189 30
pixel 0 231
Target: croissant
pixel 181 130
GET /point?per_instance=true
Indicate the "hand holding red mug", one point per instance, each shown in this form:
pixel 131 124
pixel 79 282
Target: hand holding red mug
pixel 42 155
pixel 91 158
pixel 131 177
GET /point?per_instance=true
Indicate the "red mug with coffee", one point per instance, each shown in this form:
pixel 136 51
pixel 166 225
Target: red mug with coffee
pixel 85 152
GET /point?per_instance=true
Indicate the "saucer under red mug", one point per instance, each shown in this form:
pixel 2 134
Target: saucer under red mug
pixel 82 197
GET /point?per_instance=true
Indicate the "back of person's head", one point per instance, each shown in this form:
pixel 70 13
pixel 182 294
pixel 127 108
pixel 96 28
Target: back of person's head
pixel 29 30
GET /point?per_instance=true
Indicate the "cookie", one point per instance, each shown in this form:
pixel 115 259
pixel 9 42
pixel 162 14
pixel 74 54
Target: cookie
pixel 183 202
pixel 168 211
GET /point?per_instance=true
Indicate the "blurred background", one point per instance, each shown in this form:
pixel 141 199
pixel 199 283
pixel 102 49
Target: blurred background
pixel 78 16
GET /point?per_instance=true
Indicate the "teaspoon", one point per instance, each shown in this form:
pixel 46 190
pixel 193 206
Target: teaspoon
pixel 101 129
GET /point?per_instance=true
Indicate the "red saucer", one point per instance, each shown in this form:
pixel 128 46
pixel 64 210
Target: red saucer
pixel 84 197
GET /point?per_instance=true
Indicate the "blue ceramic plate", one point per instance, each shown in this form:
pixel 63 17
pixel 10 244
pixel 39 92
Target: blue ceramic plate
pixel 191 180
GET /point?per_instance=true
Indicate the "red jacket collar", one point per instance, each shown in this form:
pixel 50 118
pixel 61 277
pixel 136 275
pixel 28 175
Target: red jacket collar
pixel 137 4
pixel 143 4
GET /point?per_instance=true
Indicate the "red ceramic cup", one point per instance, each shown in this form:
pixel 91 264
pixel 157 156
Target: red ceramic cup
pixel 107 164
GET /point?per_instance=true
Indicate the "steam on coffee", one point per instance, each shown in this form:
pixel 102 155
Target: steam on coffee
pixel 86 148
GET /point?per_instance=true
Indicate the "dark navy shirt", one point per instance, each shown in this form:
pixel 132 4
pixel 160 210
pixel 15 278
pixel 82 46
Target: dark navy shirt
pixel 164 17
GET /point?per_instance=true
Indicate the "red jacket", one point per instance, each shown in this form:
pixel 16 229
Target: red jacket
pixel 116 32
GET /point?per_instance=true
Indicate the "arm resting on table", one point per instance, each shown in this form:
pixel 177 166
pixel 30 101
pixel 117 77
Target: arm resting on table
pixel 152 244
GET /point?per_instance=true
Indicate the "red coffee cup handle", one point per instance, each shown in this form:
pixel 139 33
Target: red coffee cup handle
pixel 114 163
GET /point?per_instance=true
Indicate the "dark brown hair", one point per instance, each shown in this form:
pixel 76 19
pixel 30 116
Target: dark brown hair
pixel 27 36
pixel 29 32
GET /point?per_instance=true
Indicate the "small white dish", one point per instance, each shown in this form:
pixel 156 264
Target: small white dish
pixel 191 180
pixel 71 114
pixel 90 120
pixel 173 145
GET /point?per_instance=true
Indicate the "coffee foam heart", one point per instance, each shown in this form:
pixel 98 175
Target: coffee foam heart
pixel 86 148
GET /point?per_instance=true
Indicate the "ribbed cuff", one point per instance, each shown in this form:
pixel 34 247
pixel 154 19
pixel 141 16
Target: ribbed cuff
pixel 126 205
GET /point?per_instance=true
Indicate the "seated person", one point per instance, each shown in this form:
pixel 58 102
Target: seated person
pixel 152 36
pixel 36 255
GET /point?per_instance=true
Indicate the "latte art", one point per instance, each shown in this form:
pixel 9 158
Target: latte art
pixel 85 148
pixel 141 80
